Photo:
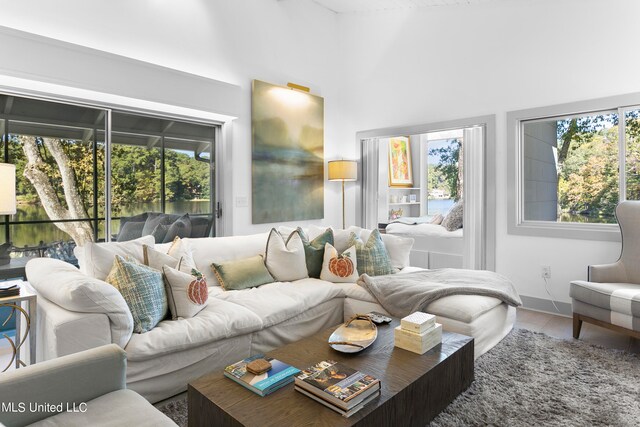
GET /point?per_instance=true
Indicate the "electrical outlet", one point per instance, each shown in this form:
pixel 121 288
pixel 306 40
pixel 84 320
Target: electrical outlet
pixel 545 271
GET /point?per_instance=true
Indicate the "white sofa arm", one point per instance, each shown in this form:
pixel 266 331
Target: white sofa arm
pixel 61 332
pixel 64 285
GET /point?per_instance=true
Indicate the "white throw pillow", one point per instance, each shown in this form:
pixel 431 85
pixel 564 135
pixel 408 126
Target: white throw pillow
pixel 339 267
pixel 156 260
pixel 187 294
pixel 398 248
pixel 99 257
pixel 286 261
pixel 180 248
pixel 340 237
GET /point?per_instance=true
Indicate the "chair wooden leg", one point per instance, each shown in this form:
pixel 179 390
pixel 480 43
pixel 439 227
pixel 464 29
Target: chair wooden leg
pixel 577 325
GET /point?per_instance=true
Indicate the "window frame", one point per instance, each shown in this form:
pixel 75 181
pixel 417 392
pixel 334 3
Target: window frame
pixel 215 176
pixel 516 224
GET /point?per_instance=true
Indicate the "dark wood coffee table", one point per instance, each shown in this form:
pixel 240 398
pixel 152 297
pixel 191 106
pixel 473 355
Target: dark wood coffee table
pixel 415 388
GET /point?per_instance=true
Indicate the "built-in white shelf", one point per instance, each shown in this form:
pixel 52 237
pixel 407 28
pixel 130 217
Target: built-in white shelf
pixel 403 188
pixel 406 203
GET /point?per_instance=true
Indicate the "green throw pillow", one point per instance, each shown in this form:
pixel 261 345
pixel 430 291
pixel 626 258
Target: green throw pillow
pixel 143 290
pixel 314 250
pixel 372 257
pixel 242 273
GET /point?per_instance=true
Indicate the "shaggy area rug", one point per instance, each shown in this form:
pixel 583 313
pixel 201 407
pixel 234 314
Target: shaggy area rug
pixel 531 379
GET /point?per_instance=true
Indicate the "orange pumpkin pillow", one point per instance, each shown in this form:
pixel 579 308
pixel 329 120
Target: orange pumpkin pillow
pixel 339 268
pixel 187 294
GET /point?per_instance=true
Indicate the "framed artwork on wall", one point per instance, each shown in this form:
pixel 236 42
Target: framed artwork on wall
pixel 287 154
pixel 400 173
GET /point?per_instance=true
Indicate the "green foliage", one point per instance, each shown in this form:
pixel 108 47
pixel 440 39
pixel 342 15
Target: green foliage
pixel 136 174
pixel 446 171
pixel 588 164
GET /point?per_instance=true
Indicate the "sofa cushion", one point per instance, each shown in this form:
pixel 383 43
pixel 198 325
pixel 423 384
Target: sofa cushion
pixel 276 302
pixel 181 227
pixel 187 293
pixel 218 320
pixel 160 232
pixel 154 219
pixel 98 258
pixel 399 248
pixel 340 236
pixel 158 259
pixel 143 289
pixel 64 285
pixel 242 273
pixel 132 409
pixel 339 267
pixel 314 250
pixel 373 258
pixel 285 260
pixel 618 297
pixel 219 249
pixel 130 231
pixel 453 220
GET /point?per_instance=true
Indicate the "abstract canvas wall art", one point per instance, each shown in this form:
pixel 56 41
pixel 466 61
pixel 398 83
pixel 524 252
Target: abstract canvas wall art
pixel 400 173
pixel 287 134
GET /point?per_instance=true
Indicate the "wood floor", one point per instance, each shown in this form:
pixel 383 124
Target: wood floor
pixel 562 327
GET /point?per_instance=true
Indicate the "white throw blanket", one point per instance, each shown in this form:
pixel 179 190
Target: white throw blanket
pixel 403 294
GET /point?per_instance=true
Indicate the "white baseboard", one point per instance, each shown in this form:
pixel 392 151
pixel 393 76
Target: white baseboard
pixel 545 305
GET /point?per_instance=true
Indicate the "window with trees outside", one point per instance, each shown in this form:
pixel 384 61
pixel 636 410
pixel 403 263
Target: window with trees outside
pixel 60 151
pixel 574 169
pixel 444 171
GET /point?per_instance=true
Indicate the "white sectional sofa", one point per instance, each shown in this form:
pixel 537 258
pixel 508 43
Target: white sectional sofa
pixel 77 312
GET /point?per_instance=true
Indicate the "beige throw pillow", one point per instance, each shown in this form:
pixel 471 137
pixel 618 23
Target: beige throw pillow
pixel 286 261
pixel 99 257
pixel 339 267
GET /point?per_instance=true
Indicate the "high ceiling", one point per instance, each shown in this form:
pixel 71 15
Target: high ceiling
pixel 351 6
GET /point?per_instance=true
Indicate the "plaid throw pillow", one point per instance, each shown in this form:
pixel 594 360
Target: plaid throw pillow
pixel 143 290
pixel 372 257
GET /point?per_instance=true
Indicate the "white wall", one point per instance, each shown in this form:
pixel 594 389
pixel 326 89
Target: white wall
pixel 379 70
pixel 439 63
pixel 232 41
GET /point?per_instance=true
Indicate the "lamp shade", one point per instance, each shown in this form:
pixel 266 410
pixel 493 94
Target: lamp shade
pixel 7 189
pixel 343 170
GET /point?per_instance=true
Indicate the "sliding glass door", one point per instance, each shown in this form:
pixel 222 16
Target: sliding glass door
pixel 62 153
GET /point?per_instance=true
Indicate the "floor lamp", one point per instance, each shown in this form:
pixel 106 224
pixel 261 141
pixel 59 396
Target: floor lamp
pixel 7 202
pixel 343 170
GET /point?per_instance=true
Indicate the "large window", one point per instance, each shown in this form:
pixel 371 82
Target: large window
pixel 572 169
pixel 60 151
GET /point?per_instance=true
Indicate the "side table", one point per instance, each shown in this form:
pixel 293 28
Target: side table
pixel 15 269
pixel 28 297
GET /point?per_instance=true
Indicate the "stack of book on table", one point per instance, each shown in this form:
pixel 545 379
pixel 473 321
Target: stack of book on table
pixel 418 332
pixel 338 387
pixel 278 376
pixel 10 288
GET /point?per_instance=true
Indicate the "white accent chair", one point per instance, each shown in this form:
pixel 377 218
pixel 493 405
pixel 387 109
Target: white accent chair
pixel 611 296
pixel 92 383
